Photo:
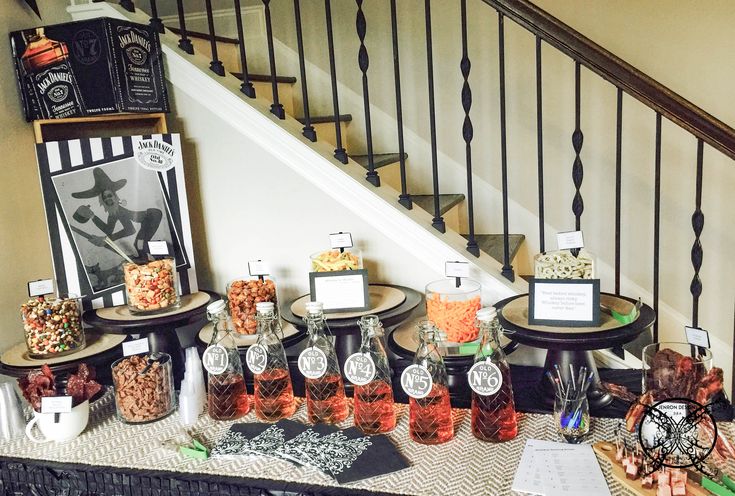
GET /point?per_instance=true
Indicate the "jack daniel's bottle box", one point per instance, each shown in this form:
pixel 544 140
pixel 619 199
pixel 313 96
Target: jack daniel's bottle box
pixel 93 67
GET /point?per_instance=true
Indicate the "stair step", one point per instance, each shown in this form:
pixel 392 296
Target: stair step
pixel 265 78
pixel 323 119
pixel 492 244
pixel 379 159
pixel 446 202
pixel 205 36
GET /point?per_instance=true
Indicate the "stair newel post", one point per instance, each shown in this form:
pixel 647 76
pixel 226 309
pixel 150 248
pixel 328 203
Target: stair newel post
pixel 215 65
pixel 247 86
pixel 184 41
pixel 467 131
pixel 276 106
pixel 507 270
pixel 155 20
pixel 577 140
pixel 656 223
pixel 438 221
pixel 540 146
pixel 619 182
pixel 127 5
pixel 309 132
pixel 364 62
pixel 404 198
pixel 697 225
pixel 339 152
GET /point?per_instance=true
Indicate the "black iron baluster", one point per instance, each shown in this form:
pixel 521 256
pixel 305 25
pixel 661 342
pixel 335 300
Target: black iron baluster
pixel 339 152
pixel 540 147
pixel 618 184
pixel 507 267
pixel 437 222
pixel 309 132
pixel 184 41
pixel 404 198
pixel 698 225
pixel 467 130
pixel 156 21
pixel 276 107
pixel 364 61
pixel 577 140
pixel 656 223
pixel 247 86
pixel 215 65
pixel 127 5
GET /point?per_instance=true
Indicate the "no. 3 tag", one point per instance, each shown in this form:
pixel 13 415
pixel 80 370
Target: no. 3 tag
pixel 215 359
pixel 56 404
pixel 135 347
pixel 256 358
pixel 416 381
pixel 485 378
pixel 359 368
pixel 312 363
pixel 40 287
pixel 697 336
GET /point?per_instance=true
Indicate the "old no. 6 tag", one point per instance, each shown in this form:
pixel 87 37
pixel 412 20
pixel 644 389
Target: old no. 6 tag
pixel 485 378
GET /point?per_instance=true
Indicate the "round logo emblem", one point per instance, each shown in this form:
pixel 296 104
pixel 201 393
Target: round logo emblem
pixel 137 55
pixel 416 381
pixel 485 378
pixel 86 47
pixel 256 358
pixel 58 93
pixel 360 368
pixel 215 359
pixel 313 363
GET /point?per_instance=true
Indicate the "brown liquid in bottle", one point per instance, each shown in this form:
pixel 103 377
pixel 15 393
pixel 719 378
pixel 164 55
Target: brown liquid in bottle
pixel 494 416
pixel 325 399
pixel 273 396
pixel 430 420
pixel 227 397
pixel 374 413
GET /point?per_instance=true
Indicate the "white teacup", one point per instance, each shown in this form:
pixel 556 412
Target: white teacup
pixel 59 427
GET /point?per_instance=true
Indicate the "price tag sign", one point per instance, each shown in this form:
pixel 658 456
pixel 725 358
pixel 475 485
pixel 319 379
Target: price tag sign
pixel 135 347
pixel 697 337
pixel 56 404
pixel 360 369
pixel 215 359
pixel 457 269
pixel 312 363
pixel 569 240
pixel 40 287
pixel 256 358
pixel 485 378
pixel 158 248
pixel 258 268
pixel 416 381
pixel 340 240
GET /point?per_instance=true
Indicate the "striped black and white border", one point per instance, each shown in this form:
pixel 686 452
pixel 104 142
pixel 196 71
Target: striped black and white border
pixel 60 157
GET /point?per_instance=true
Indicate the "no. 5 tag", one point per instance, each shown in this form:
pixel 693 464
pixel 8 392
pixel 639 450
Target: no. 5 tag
pixel 697 336
pixel 457 269
pixel 416 381
pixel 56 404
pixel 135 347
pixel 569 240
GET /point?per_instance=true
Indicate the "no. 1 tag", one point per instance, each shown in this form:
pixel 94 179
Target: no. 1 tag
pixel 158 248
pixel 697 336
pixel 313 363
pixel 40 287
pixel 340 240
pixel 359 368
pixel 215 359
pixel 485 378
pixel 135 347
pixel 258 268
pixel 416 381
pixel 56 404
pixel 457 269
pixel 569 240
pixel 256 358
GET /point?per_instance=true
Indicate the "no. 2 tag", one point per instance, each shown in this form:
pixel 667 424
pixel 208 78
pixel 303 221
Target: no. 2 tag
pixel 256 358
pixel 569 240
pixel 340 240
pixel 158 248
pixel 697 337
pixel 312 363
pixel 40 287
pixel 359 368
pixel 215 359
pixel 485 378
pixel 457 269
pixel 56 404
pixel 416 381
pixel 135 347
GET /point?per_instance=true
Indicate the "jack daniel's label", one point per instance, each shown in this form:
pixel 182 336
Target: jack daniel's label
pixel 57 92
pixel 138 72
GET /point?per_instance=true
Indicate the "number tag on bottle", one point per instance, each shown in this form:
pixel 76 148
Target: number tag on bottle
pixel 360 368
pixel 256 358
pixel 416 381
pixel 485 378
pixel 313 363
pixel 215 359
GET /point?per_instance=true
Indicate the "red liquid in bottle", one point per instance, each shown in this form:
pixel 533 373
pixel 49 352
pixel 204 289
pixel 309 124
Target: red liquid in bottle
pixel 374 411
pixel 494 416
pixel 227 397
pixel 325 399
pixel 273 396
pixel 430 420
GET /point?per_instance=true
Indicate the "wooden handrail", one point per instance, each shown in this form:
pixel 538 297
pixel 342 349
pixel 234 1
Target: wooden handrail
pixel 621 74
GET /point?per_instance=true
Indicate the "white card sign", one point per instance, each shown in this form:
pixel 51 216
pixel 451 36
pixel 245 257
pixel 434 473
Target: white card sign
pixel 697 337
pixel 340 240
pixel 258 268
pixel 569 240
pixel 135 347
pixel 457 269
pixel 564 302
pixel 342 290
pixel 40 287
pixel 56 404
pixel 158 248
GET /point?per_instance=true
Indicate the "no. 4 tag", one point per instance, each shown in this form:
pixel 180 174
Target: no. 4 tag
pixel 215 359
pixel 256 358
pixel 359 368
pixel 56 404
pixel 485 378
pixel 697 336
pixel 313 363
pixel 416 381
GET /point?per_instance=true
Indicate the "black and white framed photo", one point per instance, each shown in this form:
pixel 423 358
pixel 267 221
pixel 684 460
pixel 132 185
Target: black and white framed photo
pixel 128 190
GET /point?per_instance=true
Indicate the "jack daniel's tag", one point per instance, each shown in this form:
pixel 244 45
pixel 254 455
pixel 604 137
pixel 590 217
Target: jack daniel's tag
pixel 215 359
pixel 256 358
pixel 359 368
pixel 313 363
pixel 485 378
pixel 416 381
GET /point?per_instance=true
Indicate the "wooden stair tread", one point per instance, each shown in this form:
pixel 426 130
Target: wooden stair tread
pixel 492 244
pixel 205 36
pixel 446 202
pixel 379 159
pixel 322 119
pixel 265 78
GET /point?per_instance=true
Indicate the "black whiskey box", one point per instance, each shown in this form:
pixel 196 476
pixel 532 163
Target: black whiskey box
pixel 92 67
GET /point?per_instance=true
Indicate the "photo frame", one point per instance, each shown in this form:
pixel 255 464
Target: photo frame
pixel 341 290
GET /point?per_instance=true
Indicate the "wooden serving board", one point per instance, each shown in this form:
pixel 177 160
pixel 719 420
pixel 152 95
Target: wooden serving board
pixel 607 452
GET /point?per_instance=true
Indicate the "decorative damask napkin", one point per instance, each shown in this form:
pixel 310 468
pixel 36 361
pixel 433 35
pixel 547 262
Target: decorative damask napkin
pixel 257 438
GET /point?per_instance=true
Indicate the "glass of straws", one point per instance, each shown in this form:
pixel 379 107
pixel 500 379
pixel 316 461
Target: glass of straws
pixel 571 409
